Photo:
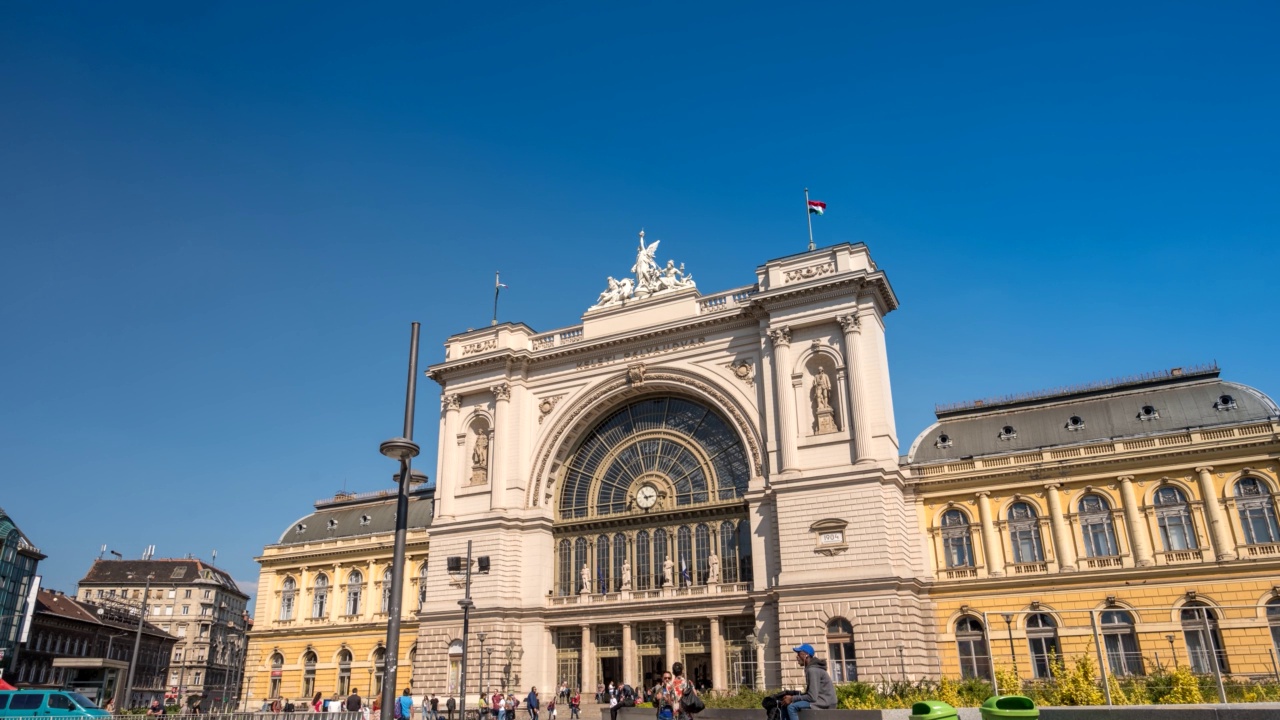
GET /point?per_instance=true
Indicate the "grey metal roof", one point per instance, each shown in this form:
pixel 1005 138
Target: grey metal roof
pixel 1116 413
pixel 164 571
pixel 358 517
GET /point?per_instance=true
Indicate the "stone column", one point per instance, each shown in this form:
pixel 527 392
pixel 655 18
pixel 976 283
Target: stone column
pixel 783 395
pixel 628 656
pixel 760 656
pixel 373 597
pixel 718 678
pixel 588 663
pixel 498 443
pixel 337 594
pixel 1062 541
pixel 448 479
pixel 1139 543
pixel 858 391
pixel 1219 529
pixel 673 649
pixel 990 541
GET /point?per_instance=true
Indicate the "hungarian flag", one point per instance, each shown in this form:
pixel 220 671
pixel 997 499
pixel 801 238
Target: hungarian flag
pixel 816 207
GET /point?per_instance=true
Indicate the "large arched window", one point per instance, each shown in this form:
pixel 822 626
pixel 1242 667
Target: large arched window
pixel 1024 534
pixel 701 552
pixel 684 556
pixel 1257 512
pixel 1097 527
pixel 1121 641
pixel 309 674
pixel 455 665
pixel 288 595
pixel 1204 640
pixel 1174 518
pixel 1273 619
pixel 277 672
pixel 843 663
pixel 344 672
pixel 579 561
pixel 971 641
pixel 379 670
pixel 619 558
pixel 320 597
pixel 355 588
pixel 602 564
pixel 386 591
pixel 644 577
pixel 957 541
pixel 728 552
pixel 683 449
pixel 1042 639
pixel 564 584
pixel 659 556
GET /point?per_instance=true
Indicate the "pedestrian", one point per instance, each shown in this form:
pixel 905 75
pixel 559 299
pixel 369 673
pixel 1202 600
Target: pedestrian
pixel 551 707
pixel 435 707
pixel 613 707
pixel 662 698
pixel 404 706
pixel 317 703
pixel 819 693
pixel 495 706
pixel 353 701
pixel 575 704
pixel 450 705
pixel 156 708
pixel 532 703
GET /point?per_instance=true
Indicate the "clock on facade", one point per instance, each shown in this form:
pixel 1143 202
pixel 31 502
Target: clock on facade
pixel 646 496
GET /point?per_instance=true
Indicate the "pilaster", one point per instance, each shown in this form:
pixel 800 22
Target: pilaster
pixel 858 392
pixel 1219 530
pixel 990 541
pixel 1064 548
pixel 1139 542
pixel 781 339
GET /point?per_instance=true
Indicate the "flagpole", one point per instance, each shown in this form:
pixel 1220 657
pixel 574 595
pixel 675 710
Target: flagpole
pixel 808 216
pixel 497 286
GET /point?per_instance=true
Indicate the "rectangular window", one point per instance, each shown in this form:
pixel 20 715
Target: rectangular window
pixel 172 593
pixel 208 594
pixel 186 609
pixel 186 594
pixel 182 630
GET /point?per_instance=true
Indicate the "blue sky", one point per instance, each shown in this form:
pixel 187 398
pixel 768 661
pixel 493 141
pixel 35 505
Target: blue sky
pixel 219 219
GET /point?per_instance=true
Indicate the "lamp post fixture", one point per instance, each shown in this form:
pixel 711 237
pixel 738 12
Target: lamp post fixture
pixel 1008 622
pixel 404 450
pixel 455 565
pixel 481 636
pixel 137 639
pixel 488 659
pixel 1172 651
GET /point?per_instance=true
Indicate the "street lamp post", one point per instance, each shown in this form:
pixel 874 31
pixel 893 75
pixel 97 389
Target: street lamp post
pixel 488 659
pixel 1172 651
pixel 404 450
pixel 1008 622
pixel 455 565
pixel 137 639
pixel 481 636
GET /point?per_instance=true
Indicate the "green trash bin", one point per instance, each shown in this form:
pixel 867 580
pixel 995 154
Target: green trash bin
pixel 1009 706
pixel 933 710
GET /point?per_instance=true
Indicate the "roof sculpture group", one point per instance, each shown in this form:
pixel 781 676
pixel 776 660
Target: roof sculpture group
pixel 649 279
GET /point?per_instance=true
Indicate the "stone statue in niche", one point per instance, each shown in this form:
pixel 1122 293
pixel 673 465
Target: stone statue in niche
pixel 626 574
pixel 713 569
pixel 667 568
pixel 480 459
pixel 586 580
pixel 823 414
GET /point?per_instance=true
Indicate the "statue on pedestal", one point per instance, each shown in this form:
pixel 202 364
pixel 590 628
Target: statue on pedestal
pixel 667 568
pixel 586 580
pixel 626 574
pixel 480 459
pixel 713 569
pixel 823 414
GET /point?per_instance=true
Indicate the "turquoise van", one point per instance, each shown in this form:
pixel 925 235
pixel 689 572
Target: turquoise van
pixel 48 704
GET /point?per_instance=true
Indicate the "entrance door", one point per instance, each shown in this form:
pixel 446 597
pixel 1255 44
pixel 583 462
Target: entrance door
pixel 611 671
pixel 651 669
pixel 697 667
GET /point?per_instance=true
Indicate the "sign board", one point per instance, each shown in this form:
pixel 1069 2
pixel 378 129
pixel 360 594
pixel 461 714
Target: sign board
pixel 30 609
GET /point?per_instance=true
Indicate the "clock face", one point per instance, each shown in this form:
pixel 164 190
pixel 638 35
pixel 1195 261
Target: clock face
pixel 646 496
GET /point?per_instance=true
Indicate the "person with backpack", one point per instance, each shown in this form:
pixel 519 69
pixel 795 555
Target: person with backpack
pixel 531 703
pixel 404 706
pixel 819 693
pixel 575 704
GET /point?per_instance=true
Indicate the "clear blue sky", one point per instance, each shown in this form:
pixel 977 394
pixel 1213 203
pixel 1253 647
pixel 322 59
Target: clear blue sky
pixel 219 219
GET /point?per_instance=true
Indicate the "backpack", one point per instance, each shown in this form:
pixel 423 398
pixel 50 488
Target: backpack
pixel 628 694
pixel 691 703
pixel 396 711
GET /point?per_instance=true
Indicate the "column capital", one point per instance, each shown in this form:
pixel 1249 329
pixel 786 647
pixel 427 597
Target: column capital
pixel 1204 469
pixel 501 391
pixel 585 626
pixel 1052 485
pixel 780 336
pixel 625 623
pixel 451 402
pixel 1124 478
pixel 984 493
pixel 850 323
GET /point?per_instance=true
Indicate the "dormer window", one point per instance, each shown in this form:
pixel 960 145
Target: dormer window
pixel 365 519
pixel 944 442
pixel 1008 432
pixel 333 524
pixel 1148 412
pixel 300 528
pixel 1225 402
pixel 1075 422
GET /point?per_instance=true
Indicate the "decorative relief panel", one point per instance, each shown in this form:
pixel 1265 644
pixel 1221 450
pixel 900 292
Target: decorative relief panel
pixel 808 273
pixel 479 347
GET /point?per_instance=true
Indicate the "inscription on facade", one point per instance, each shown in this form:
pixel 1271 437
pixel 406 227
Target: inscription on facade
pixel 672 346
pixel 479 347
pixel 810 272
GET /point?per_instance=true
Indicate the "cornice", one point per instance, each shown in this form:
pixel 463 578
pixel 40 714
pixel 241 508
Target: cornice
pixel 315 556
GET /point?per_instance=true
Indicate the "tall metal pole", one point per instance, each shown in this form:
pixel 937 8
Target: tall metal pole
pixel 403 449
pixel 808 216
pixel 137 641
pixel 1102 661
pixel 465 602
pixel 1013 654
pixel 1213 654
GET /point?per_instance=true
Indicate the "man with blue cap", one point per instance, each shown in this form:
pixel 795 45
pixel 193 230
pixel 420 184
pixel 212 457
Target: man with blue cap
pixel 819 693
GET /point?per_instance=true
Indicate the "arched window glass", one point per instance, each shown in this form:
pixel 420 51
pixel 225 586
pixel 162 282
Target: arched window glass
pixel 344 673
pixel 277 663
pixel 971 641
pixel 386 591
pixel 320 597
pixel 602 564
pixel 309 674
pixel 1257 512
pixel 745 572
pixel 728 552
pixel 455 655
pixel 619 557
pixel 842 661
pixel 1204 640
pixel 1174 518
pixel 422 585
pixel 684 556
pixel 643 571
pixel 1042 639
pixel 379 670
pixel 1121 641
pixel 579 560
pixel 659 555
pixel 564 560
pixel 288 596
pixel 1024 534
pixel 957 540
pixel 1097 527
pixel 1273 619
pixel 701 552
pixel 355 588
